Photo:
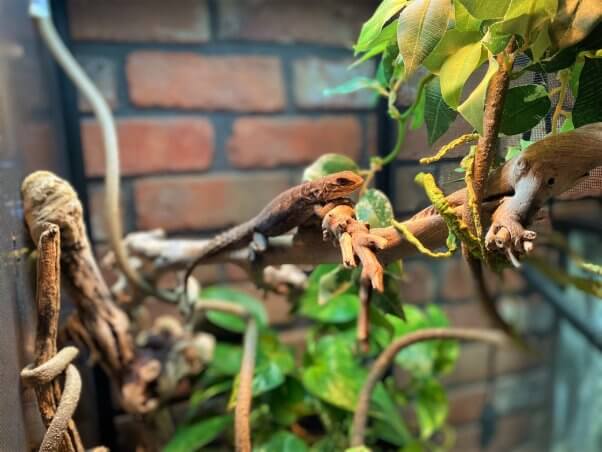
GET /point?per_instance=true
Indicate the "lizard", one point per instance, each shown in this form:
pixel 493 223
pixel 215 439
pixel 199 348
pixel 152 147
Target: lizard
pixel 521 186
pixel 286 211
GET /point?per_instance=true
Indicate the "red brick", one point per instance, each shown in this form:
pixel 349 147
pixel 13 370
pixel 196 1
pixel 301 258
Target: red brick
pixel 471 365
pixel 457 281
pixel 466 404
pixel 139 20
pixel 152 145
pixel 418 285
pixel 204 202
pixel 193 81
pixel 467 439
pixel 409 196
pixel 335 22
pixel 269 142
pixel 372 134
pixel 313 75
pixel 103 72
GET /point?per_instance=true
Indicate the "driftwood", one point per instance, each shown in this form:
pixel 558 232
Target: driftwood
pixel 99 322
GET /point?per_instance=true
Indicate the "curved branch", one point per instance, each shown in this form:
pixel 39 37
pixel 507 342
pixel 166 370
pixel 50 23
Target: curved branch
pixel 385 359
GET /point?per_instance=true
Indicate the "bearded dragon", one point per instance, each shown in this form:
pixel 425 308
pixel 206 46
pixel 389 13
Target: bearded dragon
pixel 286 211
pixel 522 186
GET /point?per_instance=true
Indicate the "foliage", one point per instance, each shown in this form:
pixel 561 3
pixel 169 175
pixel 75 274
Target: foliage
pixel 456 43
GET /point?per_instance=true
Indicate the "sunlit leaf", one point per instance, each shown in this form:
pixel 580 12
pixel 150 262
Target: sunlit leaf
pixel 452 41
pixel 437 114
pixel 524 107
pixel 587 106
pixel 421 25
pixel 525 18
pixel 197 435
pixel 486 9
pixel 457 69
pixel 372 27
pixel 327 164
pixel 464 21
pixel 282 441
pixel 472 108
pixel 229 321
pixel 574 20
pixel 374 208
pixel 386 37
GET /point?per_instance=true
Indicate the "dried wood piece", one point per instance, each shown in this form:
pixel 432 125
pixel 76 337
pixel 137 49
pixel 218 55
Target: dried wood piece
pixel 56 406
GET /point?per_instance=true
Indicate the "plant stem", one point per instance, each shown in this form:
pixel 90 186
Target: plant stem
pixel 380 366
pixel 564 78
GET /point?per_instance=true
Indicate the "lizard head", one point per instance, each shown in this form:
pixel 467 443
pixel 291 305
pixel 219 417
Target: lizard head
pixel 339 185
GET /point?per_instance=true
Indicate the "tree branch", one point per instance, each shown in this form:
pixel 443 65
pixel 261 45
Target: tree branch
pixel 386 358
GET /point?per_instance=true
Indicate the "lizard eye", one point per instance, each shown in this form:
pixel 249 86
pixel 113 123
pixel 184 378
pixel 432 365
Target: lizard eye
pixel 344 181
pixel 551 181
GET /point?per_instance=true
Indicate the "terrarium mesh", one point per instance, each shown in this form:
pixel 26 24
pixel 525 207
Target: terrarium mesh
pixel 590 187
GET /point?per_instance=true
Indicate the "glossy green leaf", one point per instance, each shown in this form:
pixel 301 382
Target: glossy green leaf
pixel 452 41
pixel 386 37
pixel 289 402
pixel 524 107
pixel 574 20
pixel 486 9
pixel 587 105
pixel 373 26
pixel 457 69
pixel 437 114
pixel 421 25
pixel 200 396
pixel 226 359
pixel 472 108
pixel 327 164
pixel 337 378
pixel 391 300
pixel 374 208
pixel 353 85
pixel 336 282
pixel 525 18
pixel 340 308
pixel 431 407
pixel 282 441
pixel 194 436
pixel 463 20
pixel 229 321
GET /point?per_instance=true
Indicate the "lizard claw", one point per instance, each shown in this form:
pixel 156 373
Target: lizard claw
pixel 511 238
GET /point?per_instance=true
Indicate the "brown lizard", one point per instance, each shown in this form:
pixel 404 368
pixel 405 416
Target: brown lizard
pixel 286 211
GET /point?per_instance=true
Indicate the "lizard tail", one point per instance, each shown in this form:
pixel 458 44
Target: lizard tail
pixel 488 304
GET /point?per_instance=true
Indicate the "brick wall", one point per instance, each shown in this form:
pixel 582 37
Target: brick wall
pixel 218 107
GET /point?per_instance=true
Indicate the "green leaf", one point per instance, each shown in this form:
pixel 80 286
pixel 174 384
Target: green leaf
pixel 327 164
pixel 472 108
pixel 289 402
pixel 228 321
pixel 226 359
pixel 353 85
pixel 486 9
pixel 524 107
pixel 373 26
pixel 337 378
pixel 587 106
pixel 282 441
pixel 464 21
pixel 341 308
pixel 525 18
pixel 452 41
pixel 195 436
pixel 574 20
pixel 457 69
pixel 336 282
pixel 437 114
pixel 200 396
pixel 387 36
pixel 374 208
pixel 431 407
pixel 421 25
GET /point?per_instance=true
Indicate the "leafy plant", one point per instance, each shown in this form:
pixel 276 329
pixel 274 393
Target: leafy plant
pixel 309 405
